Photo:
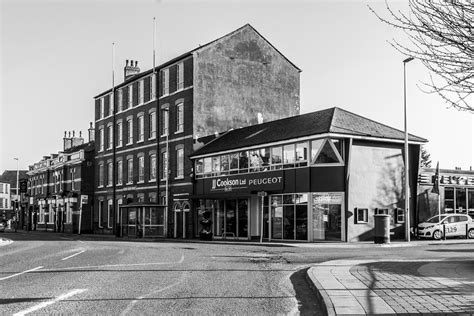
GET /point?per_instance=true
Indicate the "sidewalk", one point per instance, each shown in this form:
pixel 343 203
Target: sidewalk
pixel 357 287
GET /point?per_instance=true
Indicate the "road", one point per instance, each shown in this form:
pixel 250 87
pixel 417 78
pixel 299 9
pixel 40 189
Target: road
pixel 48 273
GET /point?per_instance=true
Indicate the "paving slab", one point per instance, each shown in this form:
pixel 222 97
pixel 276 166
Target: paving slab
pixel 360 287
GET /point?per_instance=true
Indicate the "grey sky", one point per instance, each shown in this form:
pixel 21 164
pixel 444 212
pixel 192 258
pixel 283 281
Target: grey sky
pixel 56 55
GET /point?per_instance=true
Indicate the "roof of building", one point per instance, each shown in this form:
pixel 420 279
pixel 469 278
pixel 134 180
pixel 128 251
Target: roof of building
pixel 86 146
pixel 10 176
pixel 189 53
pixel 333 120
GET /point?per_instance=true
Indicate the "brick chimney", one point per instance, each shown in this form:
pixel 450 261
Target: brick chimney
pixel 67 141
pixel 131 69
pixel 91 133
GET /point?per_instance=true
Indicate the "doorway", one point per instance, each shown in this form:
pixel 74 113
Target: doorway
pixel 328 221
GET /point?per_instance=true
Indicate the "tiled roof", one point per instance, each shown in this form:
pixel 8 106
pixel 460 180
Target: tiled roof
pixel 10 176
pixel 332 120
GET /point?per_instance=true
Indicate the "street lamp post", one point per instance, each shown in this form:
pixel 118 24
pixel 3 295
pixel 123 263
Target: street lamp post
pixel 17 182
pixel 407 182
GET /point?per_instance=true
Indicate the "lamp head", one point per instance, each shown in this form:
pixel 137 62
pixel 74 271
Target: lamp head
pixel 408 60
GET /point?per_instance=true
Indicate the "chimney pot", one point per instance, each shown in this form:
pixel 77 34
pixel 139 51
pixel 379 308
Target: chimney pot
pixel 90 124
pixel 80 133
pixel 73 133
pixel 126 63
pixel 69 133
pixel 65 134
pixel 136 63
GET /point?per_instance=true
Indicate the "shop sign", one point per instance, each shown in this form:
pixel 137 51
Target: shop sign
pixel 84 199
pixel 461 180
pixel 327 198
pixel 266 181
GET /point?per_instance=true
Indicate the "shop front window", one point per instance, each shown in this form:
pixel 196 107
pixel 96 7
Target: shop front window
pixel 301 154
pixel 461 206
pixel 470 202
pixel 289 214
pixel 243 162
pixel 224 164
pixel 277 157
pixel 448 200
pixel 289 156
pixel 327 216
pixel 234 163
pixel 326 151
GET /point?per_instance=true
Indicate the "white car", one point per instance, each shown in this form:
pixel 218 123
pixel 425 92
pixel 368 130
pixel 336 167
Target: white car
pixel 454 225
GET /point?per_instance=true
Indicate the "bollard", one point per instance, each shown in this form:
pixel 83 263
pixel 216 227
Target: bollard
pixel 382 229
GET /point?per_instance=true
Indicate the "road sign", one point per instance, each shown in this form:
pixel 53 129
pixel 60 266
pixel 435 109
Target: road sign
pixel 23 186
pixel 84 199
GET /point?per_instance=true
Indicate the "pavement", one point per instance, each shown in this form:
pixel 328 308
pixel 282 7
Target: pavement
pixel 367 287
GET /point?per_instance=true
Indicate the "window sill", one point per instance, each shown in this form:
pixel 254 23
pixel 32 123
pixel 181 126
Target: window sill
pixel 152 138
pixel 164 135
pixel 100 187
pixel 178 132
pixel 141 182
pixel 162 180
pixel 152 180
pixel 119 146
pixel 179 178
pixel 128 144
pixel 140 141
pixel 119 184
pixel 128 183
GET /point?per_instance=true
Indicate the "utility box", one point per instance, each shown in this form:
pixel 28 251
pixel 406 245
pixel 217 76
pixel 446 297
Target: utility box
pixel 382 229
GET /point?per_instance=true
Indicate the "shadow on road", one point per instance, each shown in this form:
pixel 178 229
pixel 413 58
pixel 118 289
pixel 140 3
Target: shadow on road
pixel 307 302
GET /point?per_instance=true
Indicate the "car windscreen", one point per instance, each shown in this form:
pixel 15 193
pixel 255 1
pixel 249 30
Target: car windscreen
pixel 434 219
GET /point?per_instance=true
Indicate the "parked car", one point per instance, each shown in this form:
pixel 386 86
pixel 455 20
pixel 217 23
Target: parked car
pixel 453 225
pixel 2 226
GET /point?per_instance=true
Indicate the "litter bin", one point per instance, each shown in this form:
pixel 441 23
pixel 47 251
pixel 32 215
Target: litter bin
pixel 382 229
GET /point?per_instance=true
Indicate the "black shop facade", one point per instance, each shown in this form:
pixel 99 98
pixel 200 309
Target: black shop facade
pixel 304 179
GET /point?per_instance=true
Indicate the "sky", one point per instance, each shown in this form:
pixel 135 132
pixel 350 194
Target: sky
pixel 57 55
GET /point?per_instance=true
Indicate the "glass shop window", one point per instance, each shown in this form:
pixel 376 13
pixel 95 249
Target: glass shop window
pixel 199 165
pixel 243 162
pixel 277 157
pixel 216 165
pixel 234 162
pixel 289 156
pixel 207 166
pixel 259 159
pixel 301 154
pixel 448 200
pixel 461 206
pixel 224 164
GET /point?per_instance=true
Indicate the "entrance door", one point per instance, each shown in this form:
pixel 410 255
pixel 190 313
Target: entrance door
pixel 328 218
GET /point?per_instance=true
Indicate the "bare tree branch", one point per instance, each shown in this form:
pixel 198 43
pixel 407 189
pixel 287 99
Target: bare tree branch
pixel 441 35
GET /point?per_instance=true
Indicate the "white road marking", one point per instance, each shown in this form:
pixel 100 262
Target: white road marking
pixel 73 255
pixel 47 303
pixel 65 238
pixel 20 273
pixel 131 305
pixel 81 241
pixel 118 265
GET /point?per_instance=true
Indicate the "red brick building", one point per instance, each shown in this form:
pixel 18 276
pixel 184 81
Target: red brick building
pixel 56 184
pixel 143 177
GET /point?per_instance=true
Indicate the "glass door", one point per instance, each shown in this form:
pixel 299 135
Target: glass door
pixel 328 221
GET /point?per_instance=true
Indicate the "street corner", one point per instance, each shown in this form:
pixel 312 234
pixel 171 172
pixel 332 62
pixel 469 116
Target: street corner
pixel 320 292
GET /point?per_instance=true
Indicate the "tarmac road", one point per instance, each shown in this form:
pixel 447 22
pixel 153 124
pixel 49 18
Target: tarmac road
pixel 45 273
pixel 62 275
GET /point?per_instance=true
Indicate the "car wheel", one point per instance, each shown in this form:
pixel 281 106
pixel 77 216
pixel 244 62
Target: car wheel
pixel 437 235
pixel 470 233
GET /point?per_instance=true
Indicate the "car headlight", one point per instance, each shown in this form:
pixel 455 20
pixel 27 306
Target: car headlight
pixel 428 227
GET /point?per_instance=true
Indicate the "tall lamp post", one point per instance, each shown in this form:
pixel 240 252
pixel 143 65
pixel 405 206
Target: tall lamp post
pixel 407 174
pixel 17 198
